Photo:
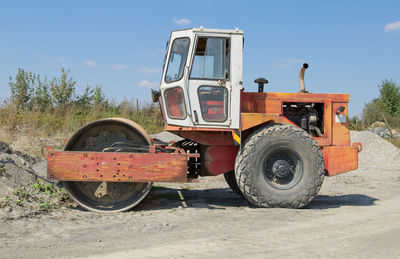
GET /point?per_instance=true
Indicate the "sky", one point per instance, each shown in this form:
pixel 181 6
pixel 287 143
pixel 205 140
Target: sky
pixel 350 46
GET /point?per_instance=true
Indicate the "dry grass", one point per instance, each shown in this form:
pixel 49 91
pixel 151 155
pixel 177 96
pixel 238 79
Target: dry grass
pixel 394 141
pixel 29 130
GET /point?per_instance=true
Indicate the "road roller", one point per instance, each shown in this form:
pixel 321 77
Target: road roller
pixel 274 149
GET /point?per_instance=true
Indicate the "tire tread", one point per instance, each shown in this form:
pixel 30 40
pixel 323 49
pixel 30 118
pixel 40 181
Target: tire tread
pixel 242 164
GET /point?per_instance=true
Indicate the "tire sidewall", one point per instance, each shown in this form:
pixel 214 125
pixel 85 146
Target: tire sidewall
pixel 253 183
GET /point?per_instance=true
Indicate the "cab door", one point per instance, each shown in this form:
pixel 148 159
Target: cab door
pixel 174 81
pixel 209 85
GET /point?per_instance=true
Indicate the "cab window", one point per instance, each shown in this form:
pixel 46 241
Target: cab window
pixel 211 60
pixel 213 103
pixel 177 60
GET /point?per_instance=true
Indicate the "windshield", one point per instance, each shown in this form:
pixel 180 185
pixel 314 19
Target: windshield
pixel 177 60
pixel 211 60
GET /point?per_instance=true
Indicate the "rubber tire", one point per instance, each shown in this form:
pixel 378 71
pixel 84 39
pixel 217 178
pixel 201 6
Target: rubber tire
pixel 231 181
pixel 249 172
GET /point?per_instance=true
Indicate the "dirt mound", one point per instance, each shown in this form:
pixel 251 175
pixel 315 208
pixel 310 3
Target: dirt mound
pixel 23 191
pixel 5 148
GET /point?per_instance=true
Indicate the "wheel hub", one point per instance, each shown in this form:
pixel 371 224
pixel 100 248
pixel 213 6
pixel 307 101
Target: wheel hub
pixel 281 168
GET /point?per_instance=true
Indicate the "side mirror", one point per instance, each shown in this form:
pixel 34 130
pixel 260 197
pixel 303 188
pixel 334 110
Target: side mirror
pixel 340 110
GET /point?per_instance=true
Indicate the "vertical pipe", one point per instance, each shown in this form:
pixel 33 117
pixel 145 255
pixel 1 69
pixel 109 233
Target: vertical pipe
pixel 301 78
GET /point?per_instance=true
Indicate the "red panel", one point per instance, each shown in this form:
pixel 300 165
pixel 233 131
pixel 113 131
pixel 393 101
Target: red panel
pixel 218 159
pixel 113 167
pixel 340 159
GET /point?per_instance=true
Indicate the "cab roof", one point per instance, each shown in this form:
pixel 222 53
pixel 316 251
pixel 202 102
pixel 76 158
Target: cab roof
pixel 207 30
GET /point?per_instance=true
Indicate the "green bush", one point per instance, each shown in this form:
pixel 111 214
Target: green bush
pixel 386 105
pixel 390 98
pixel 356 123
pixel 22 89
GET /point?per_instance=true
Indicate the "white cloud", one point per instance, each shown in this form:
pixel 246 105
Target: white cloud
pixel 90 63
pixel 149 70
pixel 392 26
pixel 120 67
pixel 61 59
pixel 182 21
pixel 146 83
pixel 290 62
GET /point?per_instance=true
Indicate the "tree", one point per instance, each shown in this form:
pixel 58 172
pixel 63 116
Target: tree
pixel 98 96
pixel 390 97
pixel 22 89
pixel 86 98
pixel 387 104
pixel 42 98
pixel 62 89
pixel 91 97
pixel 372 112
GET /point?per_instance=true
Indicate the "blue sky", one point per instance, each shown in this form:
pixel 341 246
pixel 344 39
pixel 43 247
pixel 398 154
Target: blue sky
pixel 351 46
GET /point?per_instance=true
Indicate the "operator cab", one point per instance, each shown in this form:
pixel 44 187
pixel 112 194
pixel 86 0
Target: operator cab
pixel 202 75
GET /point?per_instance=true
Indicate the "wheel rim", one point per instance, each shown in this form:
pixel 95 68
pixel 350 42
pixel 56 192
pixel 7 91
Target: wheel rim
pixel 118 196
pixel 282 168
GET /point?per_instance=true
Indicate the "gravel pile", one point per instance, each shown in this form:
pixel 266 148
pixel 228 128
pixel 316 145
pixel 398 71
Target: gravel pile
pixel 377 153
pixel 385 133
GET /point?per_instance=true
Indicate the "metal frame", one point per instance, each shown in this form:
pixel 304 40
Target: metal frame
pixel 118 166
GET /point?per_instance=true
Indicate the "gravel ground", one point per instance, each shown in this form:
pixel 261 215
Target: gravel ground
pixel 356 215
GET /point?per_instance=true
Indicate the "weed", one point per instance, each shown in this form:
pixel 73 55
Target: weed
pixel 21 193
pixel 46 205
pixel 2 169
pixel 6 202
pixel 39 187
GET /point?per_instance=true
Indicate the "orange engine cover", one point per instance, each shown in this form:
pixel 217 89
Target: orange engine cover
pixel 341 159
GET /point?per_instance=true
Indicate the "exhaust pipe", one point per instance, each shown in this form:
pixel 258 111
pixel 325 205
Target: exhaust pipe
pixel 301 78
